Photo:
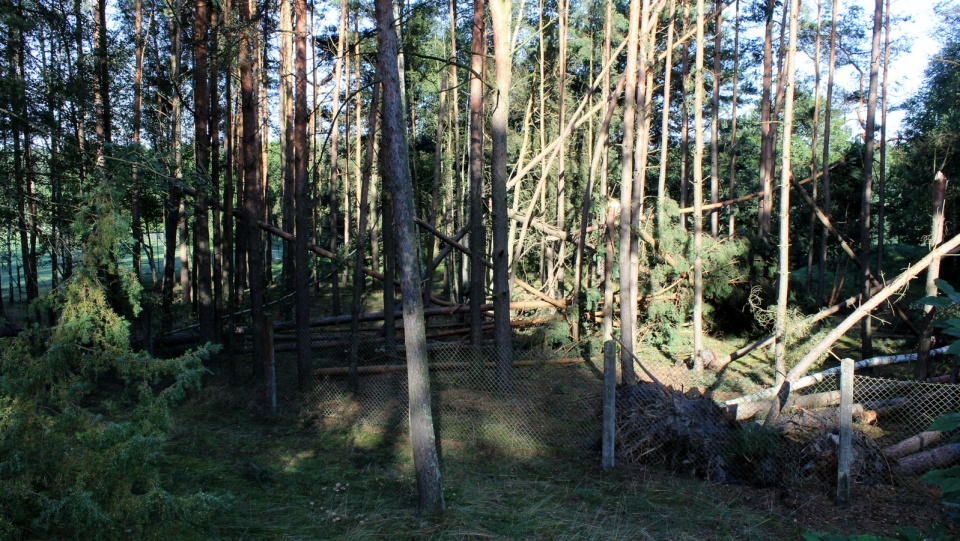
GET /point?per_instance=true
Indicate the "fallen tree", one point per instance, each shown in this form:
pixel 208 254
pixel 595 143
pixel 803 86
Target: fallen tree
pixel 925 461
pixel 388 368
pixel 813 379
pixel 913 444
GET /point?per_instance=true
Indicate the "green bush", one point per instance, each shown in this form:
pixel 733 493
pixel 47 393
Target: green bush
pixel 83 419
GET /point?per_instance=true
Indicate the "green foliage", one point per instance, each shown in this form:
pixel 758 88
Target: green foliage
pixel 83 417
pixel 947 479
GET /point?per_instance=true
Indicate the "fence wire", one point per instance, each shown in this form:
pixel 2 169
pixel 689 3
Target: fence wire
pixel 669 420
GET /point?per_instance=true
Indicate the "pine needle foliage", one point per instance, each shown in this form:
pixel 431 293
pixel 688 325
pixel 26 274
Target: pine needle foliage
pixel 84 417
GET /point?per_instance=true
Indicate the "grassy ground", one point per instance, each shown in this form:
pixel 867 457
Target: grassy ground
pixel 289 479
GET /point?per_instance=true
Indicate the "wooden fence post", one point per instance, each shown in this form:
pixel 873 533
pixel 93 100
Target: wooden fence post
pixel 269 363
pixel 844 454
pixel 609 402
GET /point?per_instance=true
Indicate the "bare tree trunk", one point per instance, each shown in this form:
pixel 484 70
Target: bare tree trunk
pixel 684 120
pixel 767 130
pixel 814 156
pixel 933 272
pixel 201 227
pixel 334 154
pixel 698 195
pixel 397 173
pixel 302 214
pixel 437 173
pixel 477 235
pixel 868 144
pixel 733 114
pixel 135 219
pixel 500 11
pixel 175 171
pixel 882 180
pixel 361 234
pixel 252 178
pixel 288 154
pixel 828 113
pixel 628 317
pixel 715 124
pixel 783 278
pixel 561 250
pixel 665 124
pixel 610 211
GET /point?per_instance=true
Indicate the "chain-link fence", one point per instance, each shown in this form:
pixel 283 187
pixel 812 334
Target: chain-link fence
pixel 553 403
pixel 669 420
pixel 660 425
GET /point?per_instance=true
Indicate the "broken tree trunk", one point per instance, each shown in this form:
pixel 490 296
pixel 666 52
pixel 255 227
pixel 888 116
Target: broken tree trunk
pixel 925 461
pixel 896 285
pixel 912 445
pixel 813 379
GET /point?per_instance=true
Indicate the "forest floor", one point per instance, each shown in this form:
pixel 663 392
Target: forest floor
pixel 287 478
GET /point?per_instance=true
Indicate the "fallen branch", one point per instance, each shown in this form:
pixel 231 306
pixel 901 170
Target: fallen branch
pixel 387 368
pixel 813 379
pixel 896 285
pixel 940 457
pixel 912 445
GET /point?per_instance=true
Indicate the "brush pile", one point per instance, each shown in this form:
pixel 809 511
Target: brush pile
pixel 689 434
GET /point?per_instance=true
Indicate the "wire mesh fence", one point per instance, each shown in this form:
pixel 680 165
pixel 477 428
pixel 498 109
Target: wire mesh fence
pixel 662 425
pixel 551 405
pixel 669 420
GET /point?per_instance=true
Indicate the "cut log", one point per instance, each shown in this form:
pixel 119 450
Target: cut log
pixel 388 368
pixel 813 379
pixel 913 444
pixel 925 461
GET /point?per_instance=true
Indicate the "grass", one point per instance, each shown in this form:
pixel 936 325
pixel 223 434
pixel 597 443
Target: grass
pixel 293 480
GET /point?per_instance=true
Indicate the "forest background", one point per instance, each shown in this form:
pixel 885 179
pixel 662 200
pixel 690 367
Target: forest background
pixel 635 167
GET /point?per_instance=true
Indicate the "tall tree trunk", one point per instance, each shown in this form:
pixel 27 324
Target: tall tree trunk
pixel 628 281
pixel 733 114
pixel 698 195
pixel 500 11
pixel 684 120
pixel 135 219
pixel 828 113
pixel 665 124
pixel 882 180
pixel 334 155
pixel 783 278
pixel 302 155
pixel 437 173
pixel 477 234
pixel 610 210
pixel 252 179
pixel 287 140
pixel 201 226
pixel 715 124
pixel 767 129
pixel 361 233
pixel 174 196
pixel 814 155
pixel 933 272
pixel 561 250
pixel 866 330
pixel 396 167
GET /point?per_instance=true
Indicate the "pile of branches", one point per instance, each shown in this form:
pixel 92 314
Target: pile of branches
pixel 690 435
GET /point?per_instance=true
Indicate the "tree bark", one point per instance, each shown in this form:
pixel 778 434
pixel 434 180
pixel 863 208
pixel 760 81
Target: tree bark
pixel 828 113
pixel 697 254
pixel 252 179
pixel 477 234
pixel 500 11
pixel 783 278
pixel 201 228
pixel 302 194
pixel 628 311
pixel 866 330
pixel 396 168
pixel 933 272
pixel 767 129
